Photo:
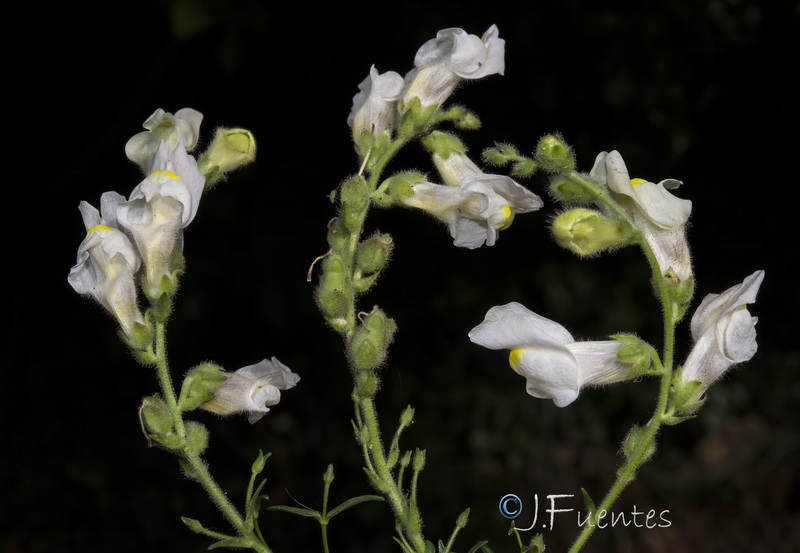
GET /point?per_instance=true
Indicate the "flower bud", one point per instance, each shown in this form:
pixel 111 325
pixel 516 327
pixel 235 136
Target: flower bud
pixel 155 415
pixel 231 149
pixel 355 198
pixel 555 155
pixel 332 294
pixel 371 340
pixel 419 459
pixel 196 436
pixel 586 232
pixel 374 253
pixel 338 235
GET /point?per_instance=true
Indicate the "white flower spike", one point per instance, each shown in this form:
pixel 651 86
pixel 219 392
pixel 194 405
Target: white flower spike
pixel 163 126
pixel 252 389
pixel 443 62
pixel 545 353
pixel 375 106
pixel 660 216
pixel 159 208
pixel 723 331
pixel 107 262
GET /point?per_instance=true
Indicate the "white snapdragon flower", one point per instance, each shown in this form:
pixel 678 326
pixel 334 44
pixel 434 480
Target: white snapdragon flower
pixel 375 106
pixel 107 262
pixel 163 126
pixel 159 208
pixel 545 353
pixel 660 216
pixel 475 205
pixel 444 61
pixel 252 389
pixel 723 331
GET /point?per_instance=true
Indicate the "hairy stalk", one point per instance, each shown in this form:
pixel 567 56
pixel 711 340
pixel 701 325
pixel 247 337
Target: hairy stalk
pixel 409 524
pixel 628 471
pixel 192 457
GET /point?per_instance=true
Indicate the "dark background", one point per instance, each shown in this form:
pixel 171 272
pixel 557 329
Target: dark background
pixel 702 91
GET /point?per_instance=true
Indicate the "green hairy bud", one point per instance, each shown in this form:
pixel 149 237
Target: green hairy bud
pixel 338 235
pixel 196 436
pixel 355 198
pixel 587 232
pixel 555 155
pixel 155 415
pixel 371 341
pixel 374 253
pixel 443 144
pixel 332 294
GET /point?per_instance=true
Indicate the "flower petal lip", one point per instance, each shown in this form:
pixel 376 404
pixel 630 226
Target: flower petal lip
pixel 162 126
pixel 658 205
pixel 374 107
pixel 554 365
pixel 724 332
pixel 715 306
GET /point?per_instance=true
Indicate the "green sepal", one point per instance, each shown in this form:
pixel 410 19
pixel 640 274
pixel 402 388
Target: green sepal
pixel 233 543
pixel 680 293
pixel 195 526
pixel 672 420
pixel 142 335
pixel 461 117
pixel 258 465
pixel 338 235
pixel 145 357
pixel 429 547
pixel 162 307
pixel 397 188
pixel 362 284
pixel 155 416
pixel 555 155
pixel 414 118
pixel 171 442
pixel 443 144
pixel 374 253
pixel 419 459
pixel 352 502
pixel 637 353
pixel 199 384
pixel 196 436
pixel 572 191
pixel 684 397
pixel 632 441
pixel 375 147
pixel 366 382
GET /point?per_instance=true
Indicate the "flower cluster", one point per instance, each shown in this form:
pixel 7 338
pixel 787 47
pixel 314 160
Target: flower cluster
pixel 474 205
pixel 557 367
pixel 144 230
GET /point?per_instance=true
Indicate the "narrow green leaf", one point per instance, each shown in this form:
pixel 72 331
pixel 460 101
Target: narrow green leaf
pixel 480 546
pixel 296 511
pixel 587 500
pixel 353 501
pixel 429 547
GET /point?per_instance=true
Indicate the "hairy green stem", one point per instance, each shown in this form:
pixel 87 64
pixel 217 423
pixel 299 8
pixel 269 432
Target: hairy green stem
pixel 628 470
pixel 192 457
